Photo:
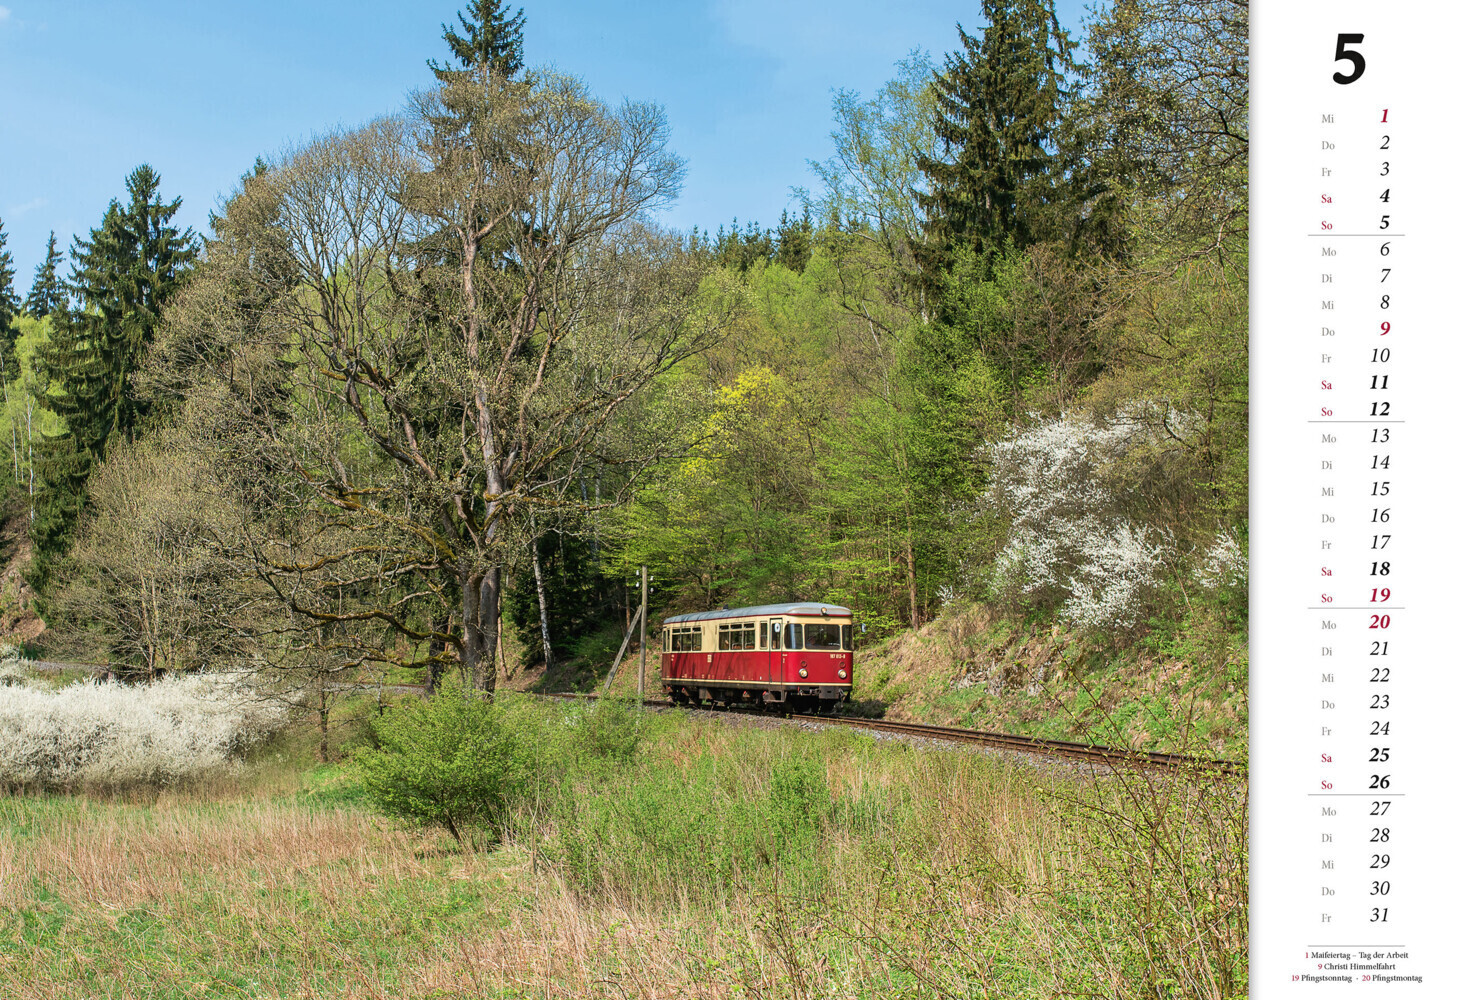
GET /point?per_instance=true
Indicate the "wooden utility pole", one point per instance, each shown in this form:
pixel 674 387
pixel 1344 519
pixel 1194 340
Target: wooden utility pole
pixel 627 638
pixel 642 630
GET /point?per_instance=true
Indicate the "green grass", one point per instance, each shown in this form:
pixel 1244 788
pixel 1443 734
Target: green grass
pixel 647 856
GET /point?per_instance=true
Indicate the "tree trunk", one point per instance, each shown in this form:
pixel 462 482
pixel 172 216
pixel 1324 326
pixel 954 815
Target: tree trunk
pixel 470 629
pixel 323 719
pixel 480 607
pixel 30 445
pixel 541 602
pixel 912 573
pixel 491 606
pixel 434 669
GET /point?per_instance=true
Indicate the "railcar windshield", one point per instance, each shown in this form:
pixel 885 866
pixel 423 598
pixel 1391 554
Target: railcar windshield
pixel 819 635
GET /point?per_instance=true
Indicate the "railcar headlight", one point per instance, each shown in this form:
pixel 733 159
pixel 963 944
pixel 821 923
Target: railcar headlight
pixel 841 673
pixel 804 672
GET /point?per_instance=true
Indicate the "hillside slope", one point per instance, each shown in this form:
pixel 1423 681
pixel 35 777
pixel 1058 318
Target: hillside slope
pixel 1181 685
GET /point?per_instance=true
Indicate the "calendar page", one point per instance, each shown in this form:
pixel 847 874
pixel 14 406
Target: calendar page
pixel 1354 356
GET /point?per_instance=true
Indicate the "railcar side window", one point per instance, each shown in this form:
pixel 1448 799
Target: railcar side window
pixel 737 635
pixel 684 640
pixel 819 635
pixel 793 635
pixel 775 636
pixel 764 629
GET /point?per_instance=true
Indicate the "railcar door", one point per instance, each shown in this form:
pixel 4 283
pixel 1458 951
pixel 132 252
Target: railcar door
pixel 777 654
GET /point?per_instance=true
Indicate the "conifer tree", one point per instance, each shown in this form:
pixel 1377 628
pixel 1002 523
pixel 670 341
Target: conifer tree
pixel 9 302
pixel 490 54
pixel 489 51
pixel 47 293
pixel 123 276
pixel 9 305
pixel 9 308
pixel 999 103
pixel 793 240
pixel 492 42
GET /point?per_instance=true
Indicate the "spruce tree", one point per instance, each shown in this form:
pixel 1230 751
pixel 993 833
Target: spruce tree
pixel 793 240
pixel 9 302
pixel 492 42
pixel 488 50
pixel 122 276
pixel 9 305
pixel 999 103
pixel 9 308
pixel 47 293
pixel 490 56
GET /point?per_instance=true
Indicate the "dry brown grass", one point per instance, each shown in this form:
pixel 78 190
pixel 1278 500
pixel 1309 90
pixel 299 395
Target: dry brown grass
pixel 254 885
pixel 978 884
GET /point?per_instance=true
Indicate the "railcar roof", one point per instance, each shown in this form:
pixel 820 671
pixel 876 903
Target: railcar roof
pixel 762 610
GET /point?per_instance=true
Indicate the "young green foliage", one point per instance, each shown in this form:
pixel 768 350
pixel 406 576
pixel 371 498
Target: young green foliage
pixel 449 761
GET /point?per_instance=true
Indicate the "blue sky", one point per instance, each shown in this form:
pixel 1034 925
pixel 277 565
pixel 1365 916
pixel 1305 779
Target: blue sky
pixel 88 90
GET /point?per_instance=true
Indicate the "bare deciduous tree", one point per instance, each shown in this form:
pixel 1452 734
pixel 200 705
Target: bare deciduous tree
pixel 457 309
pixel 149 582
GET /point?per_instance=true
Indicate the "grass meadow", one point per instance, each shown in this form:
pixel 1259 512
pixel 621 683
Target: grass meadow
pixel 657 855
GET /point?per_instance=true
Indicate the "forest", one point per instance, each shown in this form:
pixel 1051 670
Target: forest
pixel 430 390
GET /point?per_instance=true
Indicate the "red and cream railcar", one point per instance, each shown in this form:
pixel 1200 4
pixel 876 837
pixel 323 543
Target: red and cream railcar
pixel 795 656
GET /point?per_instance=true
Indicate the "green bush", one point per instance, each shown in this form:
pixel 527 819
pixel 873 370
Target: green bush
pixel 446 761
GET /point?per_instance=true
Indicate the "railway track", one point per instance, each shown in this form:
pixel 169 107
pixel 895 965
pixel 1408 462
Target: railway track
pixel 1089 752
pixel 1093 752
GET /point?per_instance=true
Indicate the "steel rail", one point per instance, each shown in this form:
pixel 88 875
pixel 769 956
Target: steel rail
pixel 1039 745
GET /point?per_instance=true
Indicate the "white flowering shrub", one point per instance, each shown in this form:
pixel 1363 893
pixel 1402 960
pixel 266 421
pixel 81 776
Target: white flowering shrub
pixel 1224 564
pixel 13 669
pixel 1070 541
pixel 92 733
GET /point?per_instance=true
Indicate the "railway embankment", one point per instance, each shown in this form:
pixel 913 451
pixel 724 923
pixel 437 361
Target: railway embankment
pixel 1179 684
